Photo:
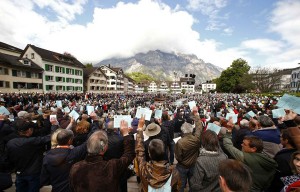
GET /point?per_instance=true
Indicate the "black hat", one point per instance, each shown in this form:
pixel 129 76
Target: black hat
pixel 22 125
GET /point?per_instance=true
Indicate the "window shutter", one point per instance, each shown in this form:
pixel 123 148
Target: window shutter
pixel 67 70
pixel 40 86
pixel 63 69
pixel 73 71
pixel 47 67
pixel 73 80
pixel 47 87
pixel 28 75
pixel 64 79
pixel 56 79
pixel 14 73
pixel 56 69
pixel 56 87
pixel 64 88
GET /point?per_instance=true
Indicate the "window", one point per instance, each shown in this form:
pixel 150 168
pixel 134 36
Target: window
pixel 48 67
pixel 69 80
pixel 32 55
pixel 3 71
pixel 69 71
pixel 21 74
pixel 59 88
pixel 78 81
pixel 4 84
pixel 49 78
pixel 59 79
pixel 77 72
pixel 34 75
pixel 50 87
pixel 69 88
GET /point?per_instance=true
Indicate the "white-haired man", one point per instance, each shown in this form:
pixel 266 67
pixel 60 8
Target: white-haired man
pixel 187 148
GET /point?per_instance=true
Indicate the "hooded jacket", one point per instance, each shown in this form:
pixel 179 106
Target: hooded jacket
pixel 154 173
pixel 57 165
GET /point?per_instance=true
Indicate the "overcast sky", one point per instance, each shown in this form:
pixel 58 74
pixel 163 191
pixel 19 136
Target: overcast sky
pixel 263 32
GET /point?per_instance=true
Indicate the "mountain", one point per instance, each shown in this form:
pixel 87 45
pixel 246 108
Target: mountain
pixel 162 65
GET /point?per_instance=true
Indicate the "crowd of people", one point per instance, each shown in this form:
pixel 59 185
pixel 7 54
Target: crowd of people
pixel 177 151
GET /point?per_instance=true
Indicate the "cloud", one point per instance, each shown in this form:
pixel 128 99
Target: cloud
pixel 211 9
pixel 285 21
pixel 264 46
pixel 120 31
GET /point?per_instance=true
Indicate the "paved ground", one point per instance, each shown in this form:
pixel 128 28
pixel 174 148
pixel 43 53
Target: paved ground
pixel 131 184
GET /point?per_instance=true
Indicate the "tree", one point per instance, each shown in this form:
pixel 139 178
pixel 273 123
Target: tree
pixel 88 65
pixel 145 90
pixel 265 79
pixel 183 91
pixel 138 77
pixel 235 78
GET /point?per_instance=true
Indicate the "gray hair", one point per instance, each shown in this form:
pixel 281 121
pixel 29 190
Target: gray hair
pixel 97 142
pixel 265 121
pixel 244 123
pixel 186 128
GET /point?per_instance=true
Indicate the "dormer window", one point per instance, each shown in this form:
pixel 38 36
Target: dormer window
pixel 26 62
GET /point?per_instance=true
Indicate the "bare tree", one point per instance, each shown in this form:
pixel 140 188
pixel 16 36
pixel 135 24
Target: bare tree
pixel 266 79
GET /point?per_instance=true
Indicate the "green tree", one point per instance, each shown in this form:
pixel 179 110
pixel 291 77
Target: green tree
pixel 183 91
pixel 88 65
pixel 145 90
pixel 138 77
pixel 235 78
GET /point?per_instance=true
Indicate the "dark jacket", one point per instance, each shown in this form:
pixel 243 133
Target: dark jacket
pixel 96 174
pixel 115 145
pixel 26 154
pixel 283 159
pixel 57 165
pixel 271 140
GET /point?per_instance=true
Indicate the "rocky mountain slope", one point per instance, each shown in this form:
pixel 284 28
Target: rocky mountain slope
pixel 162 65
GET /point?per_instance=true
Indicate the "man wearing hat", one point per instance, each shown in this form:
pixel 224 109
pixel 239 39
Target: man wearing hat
pixel 156 174
pixel 25 154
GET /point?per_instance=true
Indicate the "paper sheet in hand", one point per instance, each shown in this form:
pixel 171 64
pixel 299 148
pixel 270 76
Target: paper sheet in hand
pixel 251 113
pixel 158 114
pixel 192 104
pixel 234 117
pixel 289 102
pixel 74 114
pixel 67 110
pixel 90 109
pixel 213 127
pixel 58 103
pixel 40 112
pixel 176 139
pixel 118 118
pixel 4 111
pixel 278 113
pixel 53 118
pixel 143 111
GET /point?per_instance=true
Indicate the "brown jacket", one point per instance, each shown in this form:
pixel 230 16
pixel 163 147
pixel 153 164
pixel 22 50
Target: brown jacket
pixel 187 148
pixel 96 174
pixel 154 173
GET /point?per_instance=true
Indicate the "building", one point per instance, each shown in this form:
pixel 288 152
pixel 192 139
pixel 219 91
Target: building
pixel 295 80
pixel 115 82
pixel 207 86
pixel 94 80
pixel 62 72
pixel 283 84
pixel 152 88
pixel 18 74
pixel 188 84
